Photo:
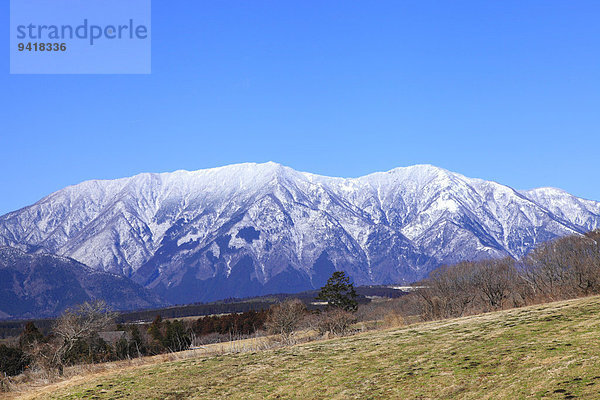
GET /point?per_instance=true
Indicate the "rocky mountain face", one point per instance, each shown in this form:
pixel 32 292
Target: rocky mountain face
pixel 44 285
pixel 252 229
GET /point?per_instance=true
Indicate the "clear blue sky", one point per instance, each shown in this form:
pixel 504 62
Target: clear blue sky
pixel 501 90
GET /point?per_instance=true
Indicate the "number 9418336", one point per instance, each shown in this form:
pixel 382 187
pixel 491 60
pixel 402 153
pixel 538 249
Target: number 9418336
pixel 42 46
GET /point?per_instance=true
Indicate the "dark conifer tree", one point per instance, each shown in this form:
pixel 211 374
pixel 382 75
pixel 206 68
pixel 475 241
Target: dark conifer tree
pixel 339 292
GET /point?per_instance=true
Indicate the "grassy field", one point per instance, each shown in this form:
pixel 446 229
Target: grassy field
pixel 547 351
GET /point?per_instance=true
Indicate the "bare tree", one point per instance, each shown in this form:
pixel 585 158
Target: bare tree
pixel 585 263
pixel 79 324
pixel 284 318
pixel 455 286
pixel 495 279
pixel 449 291
pixel 547 269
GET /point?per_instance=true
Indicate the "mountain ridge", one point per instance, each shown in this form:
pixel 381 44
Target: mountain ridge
pixel 241 229
pixel 44 285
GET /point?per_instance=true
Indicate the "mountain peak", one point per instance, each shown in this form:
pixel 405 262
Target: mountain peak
pixel 424 171
pixel 547 189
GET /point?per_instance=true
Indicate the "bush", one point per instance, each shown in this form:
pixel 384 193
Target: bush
pixel 393 319
pixel 132 348
pixel 284 318
pixel 231 324
pixel 335 321
pixel 30 336
pixel 12 360
pixel 177 337
pixel 42 358
pixel 563 268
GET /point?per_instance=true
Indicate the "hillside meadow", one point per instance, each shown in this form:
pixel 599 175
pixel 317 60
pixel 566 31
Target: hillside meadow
pixel 545 351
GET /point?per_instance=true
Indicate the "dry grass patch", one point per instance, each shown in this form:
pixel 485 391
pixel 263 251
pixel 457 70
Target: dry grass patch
pixel 544 351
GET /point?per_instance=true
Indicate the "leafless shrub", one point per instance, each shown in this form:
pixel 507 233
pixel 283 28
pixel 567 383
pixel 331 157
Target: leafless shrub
pixel 393 320
pixel 42 356
pixel 335 321
pixel 285 318
pixel 375 310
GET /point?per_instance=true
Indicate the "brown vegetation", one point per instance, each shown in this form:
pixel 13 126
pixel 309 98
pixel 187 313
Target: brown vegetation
pixel 336 321
pixel 285 318
pixel 561 269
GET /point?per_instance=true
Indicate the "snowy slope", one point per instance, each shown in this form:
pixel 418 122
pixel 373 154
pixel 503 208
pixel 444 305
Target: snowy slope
pixel 580 212
pixel 247 229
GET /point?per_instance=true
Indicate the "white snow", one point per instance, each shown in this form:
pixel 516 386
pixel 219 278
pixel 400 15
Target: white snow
pixel 118 225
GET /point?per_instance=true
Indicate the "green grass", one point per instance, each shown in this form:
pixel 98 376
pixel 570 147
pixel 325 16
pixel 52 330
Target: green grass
pixel 547 351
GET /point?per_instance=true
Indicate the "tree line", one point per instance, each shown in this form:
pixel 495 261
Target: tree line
pixel 89 332
pixel 564 268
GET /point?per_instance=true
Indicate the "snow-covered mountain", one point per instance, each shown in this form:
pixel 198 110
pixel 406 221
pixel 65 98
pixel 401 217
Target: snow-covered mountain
pixel 248 229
